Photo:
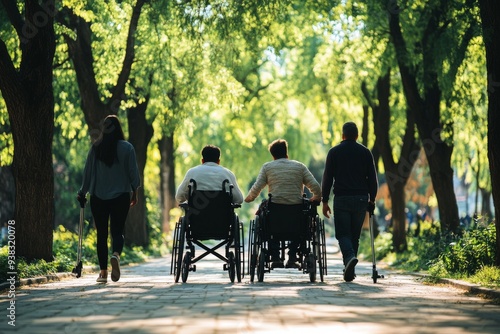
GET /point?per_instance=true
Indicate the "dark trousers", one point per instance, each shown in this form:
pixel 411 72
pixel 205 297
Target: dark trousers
pixel 115 211
pixel 274 248
pixel 349 215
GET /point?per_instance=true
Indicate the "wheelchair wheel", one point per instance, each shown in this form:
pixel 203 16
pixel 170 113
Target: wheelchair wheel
pixel 186 262
pixel 250 245
pixel 239 257
pixel 261 265
pixel 178 249
pixel 231 266
pixel 321 247
pixel 311 267
pixel 253 247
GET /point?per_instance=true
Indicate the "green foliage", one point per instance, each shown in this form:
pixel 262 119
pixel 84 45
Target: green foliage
pixel 488 276
pixel 6 141
pixel 66 243
pixel 65 252
pixel 34 269
pixel 159 245
pixel 468 253
pixel 382 243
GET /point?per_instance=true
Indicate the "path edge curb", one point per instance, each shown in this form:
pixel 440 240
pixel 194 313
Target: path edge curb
pixel 468 287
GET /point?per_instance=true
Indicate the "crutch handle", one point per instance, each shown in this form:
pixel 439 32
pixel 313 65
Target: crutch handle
pixel 80 197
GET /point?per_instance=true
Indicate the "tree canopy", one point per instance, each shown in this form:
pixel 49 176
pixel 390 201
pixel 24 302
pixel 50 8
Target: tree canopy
pixel 239 74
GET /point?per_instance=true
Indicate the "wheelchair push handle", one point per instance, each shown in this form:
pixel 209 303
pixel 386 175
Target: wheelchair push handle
pixel 231 186
pixel 230 193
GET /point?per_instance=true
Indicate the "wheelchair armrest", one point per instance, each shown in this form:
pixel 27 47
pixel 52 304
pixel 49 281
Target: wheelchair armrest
pixel 315 203
pixel 311 207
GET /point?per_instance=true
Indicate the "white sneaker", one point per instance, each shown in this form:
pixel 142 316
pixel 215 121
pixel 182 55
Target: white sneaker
pixel 101 279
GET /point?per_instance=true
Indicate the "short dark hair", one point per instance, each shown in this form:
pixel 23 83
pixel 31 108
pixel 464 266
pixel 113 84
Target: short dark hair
pixel 210 153
pixel 350 130
pixel 278 148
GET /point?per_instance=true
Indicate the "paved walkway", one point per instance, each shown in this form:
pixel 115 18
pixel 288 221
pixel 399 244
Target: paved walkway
pixel 146 300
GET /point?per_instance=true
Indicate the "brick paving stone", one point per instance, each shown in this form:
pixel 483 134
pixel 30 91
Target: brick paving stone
pixel 146 300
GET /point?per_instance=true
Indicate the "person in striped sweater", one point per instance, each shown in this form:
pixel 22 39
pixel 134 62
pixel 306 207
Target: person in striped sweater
pixel 285 179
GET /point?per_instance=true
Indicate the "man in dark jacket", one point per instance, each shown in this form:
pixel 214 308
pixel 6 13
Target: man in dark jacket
pixel 350 169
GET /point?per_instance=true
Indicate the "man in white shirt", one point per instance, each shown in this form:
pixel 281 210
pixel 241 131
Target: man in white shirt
pixel 209 176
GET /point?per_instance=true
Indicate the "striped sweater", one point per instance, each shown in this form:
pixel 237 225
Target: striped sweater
pixel 285 179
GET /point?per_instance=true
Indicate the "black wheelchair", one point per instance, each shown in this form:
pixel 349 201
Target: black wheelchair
pixel 286 223
pixel 209 215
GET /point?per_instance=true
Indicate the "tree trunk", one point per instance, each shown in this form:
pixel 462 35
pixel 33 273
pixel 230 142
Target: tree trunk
pixel 140 134
pixel 398 217
pixel 438 154
pixel 366 128
pixel 491 31
pixel 427 117
pixel 167 177
pixel 7 193
pixel 485 203
pixel 397 174
pixel 28 94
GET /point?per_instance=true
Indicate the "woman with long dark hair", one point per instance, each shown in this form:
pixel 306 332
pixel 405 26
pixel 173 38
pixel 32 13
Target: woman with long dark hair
pixel 111 177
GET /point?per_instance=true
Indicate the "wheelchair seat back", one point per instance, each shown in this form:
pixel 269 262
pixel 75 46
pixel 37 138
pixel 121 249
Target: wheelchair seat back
pixel 286 222
pixel 210 215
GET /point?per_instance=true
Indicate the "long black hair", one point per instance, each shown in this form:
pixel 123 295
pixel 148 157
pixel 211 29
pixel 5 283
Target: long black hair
pixel 105 146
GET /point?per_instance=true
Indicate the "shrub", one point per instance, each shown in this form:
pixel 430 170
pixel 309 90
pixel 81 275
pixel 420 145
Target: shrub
pixel 468 253
pixel 488 276
pixel 65 245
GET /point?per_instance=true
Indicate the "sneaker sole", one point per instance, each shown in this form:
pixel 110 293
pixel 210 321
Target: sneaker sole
pixel 115 269
pixel 349 270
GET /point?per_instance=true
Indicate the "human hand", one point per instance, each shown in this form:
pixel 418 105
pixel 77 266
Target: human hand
pixel 80 197
pixel 133 200
pixel 315 199
pixel 326 210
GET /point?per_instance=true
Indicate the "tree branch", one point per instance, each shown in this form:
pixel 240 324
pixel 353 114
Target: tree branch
pixel 14 16
pixel 408 78
pixel 366 94
pixel 80 52
pixel 119 88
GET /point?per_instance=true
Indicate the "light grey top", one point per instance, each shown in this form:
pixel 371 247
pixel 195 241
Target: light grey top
pixel 208 176
pixel 110 182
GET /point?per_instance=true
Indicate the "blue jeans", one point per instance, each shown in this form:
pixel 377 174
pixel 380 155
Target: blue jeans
pixel 349 215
